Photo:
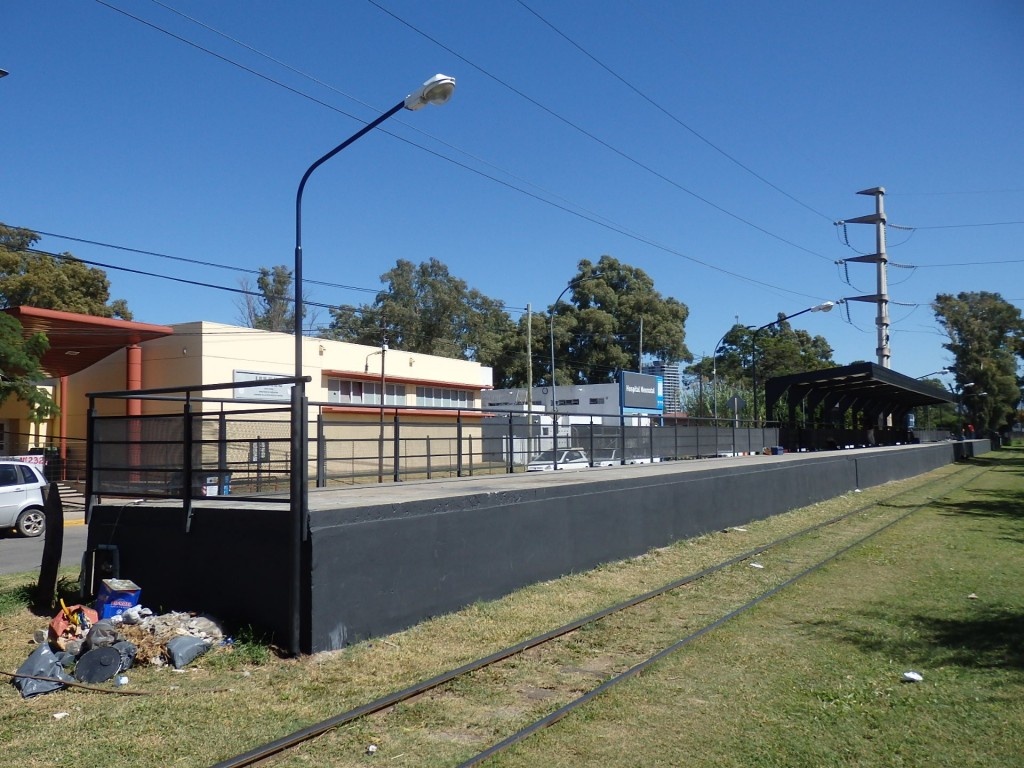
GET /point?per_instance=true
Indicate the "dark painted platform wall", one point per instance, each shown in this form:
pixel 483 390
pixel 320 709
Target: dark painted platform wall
pixel 379 569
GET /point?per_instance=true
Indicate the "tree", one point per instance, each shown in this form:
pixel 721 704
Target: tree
pixel 274 308
pixel 20 369
pixel 781 350
pixel 427 309
pixel 598 333
pixel 986 334
pixel 45 281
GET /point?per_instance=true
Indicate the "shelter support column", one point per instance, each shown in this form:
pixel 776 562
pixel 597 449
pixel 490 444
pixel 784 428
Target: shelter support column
pixel 133 408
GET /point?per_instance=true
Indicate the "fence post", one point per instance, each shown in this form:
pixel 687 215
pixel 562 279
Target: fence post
pixel 90 466
pixel 591 441
pixel 321 451
pixel 458 443
pixel 510 467
pixel 470 455
pixel 187 469
pixel 554 439
pixel 397 449
pixel 429 470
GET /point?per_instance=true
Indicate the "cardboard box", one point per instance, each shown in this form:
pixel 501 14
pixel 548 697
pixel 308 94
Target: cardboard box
pixel 116 596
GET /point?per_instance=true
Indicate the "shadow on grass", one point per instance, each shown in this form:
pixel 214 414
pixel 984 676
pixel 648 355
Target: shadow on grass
pixel 984 503
pixel 989 641
pixel 24 596
pixel 1007 459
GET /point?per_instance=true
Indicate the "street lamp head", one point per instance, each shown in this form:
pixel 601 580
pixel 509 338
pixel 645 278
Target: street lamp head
pixel 826 307
pixel 4 73
pixel 437 90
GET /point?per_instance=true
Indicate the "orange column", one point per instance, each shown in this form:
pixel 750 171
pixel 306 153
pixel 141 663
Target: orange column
pixel 62 403
pixel 133 408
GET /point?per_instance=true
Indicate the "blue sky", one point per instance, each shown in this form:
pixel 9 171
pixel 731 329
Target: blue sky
pixel 712 145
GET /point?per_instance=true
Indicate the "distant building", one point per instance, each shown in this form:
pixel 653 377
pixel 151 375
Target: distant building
pixel 672 382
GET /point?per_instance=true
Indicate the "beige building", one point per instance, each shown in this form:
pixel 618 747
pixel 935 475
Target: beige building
pixel 425 394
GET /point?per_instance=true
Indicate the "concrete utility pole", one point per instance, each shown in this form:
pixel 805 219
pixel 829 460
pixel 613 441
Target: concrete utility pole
pixel 881 297
pixel 529 381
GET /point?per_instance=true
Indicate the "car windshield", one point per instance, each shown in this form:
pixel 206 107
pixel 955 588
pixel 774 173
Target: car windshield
pixel 548 456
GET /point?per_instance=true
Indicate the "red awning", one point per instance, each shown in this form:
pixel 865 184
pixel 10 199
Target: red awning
pixel 78 341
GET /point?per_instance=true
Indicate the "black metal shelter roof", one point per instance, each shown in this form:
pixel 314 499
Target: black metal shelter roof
pixel 865 387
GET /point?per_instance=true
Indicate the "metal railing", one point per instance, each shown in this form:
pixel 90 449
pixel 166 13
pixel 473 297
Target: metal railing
pixel 191 445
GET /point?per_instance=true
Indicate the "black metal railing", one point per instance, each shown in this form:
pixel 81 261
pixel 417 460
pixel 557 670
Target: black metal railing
pixel 191 445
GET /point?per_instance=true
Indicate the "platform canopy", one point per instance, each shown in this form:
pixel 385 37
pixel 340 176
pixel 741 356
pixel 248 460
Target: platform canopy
pixel 865 388
pixel 77 341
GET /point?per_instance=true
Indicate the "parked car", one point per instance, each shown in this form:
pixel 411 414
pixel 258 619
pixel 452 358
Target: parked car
pixel 606 457
pixel 644 460
pixel 568 458
pixel 21 498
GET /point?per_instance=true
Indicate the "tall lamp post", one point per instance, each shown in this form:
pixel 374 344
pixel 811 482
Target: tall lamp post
pixel 714 373
pixel 437 90
pixel 551 331
pixel 825 307
pixel 383 389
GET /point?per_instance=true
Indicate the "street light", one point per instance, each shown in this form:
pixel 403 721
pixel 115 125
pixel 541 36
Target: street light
pixel 551 331
pixel 4 73
pixel 437 90
pixel 383 389
pixel 825 307
pixel 714 372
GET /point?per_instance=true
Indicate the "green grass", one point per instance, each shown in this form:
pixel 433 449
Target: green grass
pixel 811 676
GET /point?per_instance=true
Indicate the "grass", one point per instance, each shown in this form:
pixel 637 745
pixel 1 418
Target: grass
pixel 811 676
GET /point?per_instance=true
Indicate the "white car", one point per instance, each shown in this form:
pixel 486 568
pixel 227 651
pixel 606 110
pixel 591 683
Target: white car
pixel 21 498
pixel 606 457
pixel 568 458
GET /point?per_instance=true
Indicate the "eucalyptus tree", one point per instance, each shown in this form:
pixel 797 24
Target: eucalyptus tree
pixel 986 339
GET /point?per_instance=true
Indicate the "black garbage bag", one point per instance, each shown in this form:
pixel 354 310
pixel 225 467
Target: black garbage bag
pixel 128 652
pixel 42 662
pixel 101 634
pixel 184 649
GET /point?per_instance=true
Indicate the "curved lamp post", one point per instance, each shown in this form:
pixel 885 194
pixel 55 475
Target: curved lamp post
pixel 714 373
pixel 437 90
pixel 825 307
pixel 551 331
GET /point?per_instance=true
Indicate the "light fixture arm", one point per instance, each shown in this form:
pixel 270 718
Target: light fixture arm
pixel 551 331
pixel 823 307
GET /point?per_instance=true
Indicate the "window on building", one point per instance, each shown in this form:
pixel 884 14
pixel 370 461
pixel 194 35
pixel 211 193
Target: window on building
pixel 597 400
pixel 346 392
pixel 442 397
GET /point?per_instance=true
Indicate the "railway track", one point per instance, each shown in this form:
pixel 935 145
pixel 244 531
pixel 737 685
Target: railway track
pixel 777 564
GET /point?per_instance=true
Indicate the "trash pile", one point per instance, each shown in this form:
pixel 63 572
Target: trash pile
pixel 94 645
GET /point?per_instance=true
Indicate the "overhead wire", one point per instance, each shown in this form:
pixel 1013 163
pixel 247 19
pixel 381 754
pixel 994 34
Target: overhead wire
pixel 667 113
pixel 355 99
pixel 561 118
pixel 608 224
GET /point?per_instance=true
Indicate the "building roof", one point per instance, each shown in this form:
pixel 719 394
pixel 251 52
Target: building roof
pixel 865 387
pixel 77 341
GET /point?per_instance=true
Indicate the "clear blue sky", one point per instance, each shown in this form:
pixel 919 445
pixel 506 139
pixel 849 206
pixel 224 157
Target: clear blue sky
pixel 704 143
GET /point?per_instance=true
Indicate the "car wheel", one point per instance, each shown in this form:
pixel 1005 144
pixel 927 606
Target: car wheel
pixel 30 523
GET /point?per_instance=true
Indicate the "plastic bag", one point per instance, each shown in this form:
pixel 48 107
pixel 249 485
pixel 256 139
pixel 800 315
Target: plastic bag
pixel 42 662
pixel 184 649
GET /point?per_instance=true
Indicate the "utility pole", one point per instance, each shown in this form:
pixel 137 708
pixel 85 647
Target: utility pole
pixel 881 297
pixel 529 381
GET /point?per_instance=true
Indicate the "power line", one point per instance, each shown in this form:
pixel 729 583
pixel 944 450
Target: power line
pixel 668 114
pixel 606 223
pixel 590 135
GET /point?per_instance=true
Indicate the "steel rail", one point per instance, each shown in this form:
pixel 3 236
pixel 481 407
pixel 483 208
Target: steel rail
pixel 633 671
pixel 295 738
